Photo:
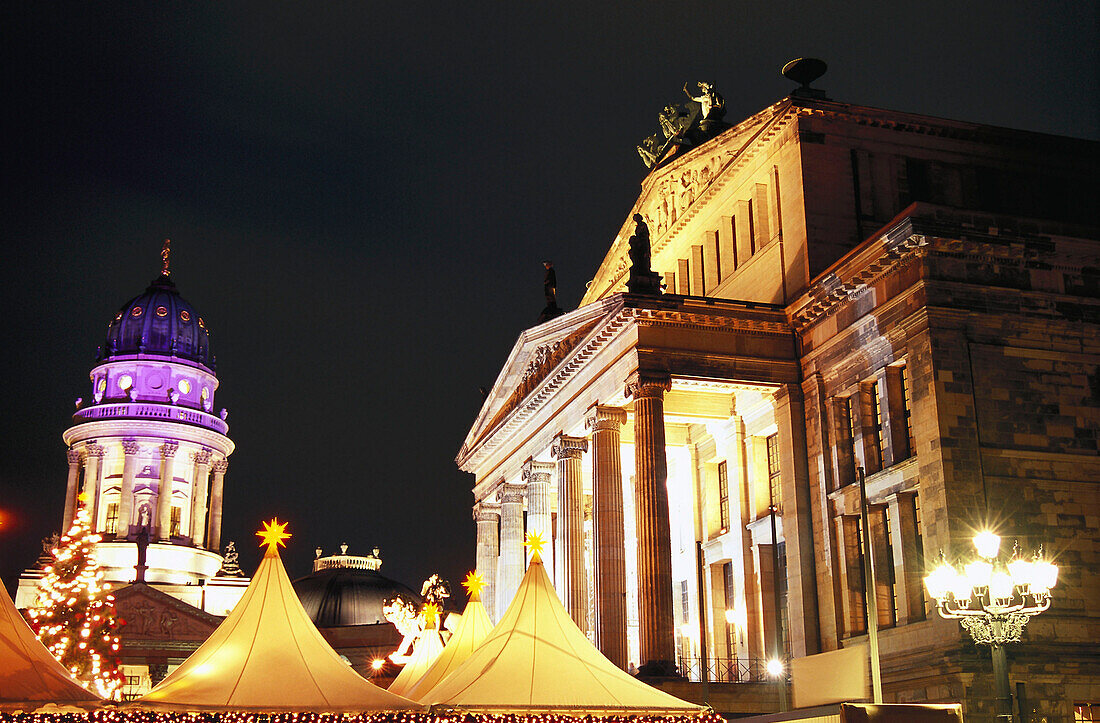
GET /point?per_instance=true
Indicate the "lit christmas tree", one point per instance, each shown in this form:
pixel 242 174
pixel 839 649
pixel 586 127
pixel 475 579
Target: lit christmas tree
pixel 76 620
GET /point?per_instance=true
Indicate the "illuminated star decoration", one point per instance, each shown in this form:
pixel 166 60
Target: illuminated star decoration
pixel 273 535
pixel 474 584
pixel 535 543
pixel 431 614
pixel 82 497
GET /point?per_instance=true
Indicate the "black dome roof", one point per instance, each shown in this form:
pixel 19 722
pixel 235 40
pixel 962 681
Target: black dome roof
pixel 348 596
pixel 159 322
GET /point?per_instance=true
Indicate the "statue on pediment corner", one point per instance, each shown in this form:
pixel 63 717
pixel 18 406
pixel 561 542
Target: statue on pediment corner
pixel 642 279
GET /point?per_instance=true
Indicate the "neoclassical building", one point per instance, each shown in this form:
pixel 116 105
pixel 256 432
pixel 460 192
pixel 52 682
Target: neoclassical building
pixel 150 454
pixel 844 287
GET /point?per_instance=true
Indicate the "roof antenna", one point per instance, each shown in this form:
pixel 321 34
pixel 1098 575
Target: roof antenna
pixel 805 71
pixel 165 255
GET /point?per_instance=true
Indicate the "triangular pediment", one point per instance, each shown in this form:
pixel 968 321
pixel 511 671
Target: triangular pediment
pixel 151 614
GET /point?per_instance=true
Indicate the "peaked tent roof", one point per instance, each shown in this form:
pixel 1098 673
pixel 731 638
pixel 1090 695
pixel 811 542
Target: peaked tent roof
pixel 537 659
pixel 268 656
pixel 473 628
pixel 28 672
pixel 426 650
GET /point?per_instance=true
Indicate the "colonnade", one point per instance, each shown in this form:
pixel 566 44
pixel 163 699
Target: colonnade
pixel 500 527
pixel 86 476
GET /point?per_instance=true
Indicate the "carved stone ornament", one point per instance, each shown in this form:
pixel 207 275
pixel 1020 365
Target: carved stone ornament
pixel 202 457
pixel 169 449
pixel 130 447
pixel 605 419
pixel 73 455
pixel 94 450
pixel 509 493
pixel 568 447
pixel 534 472
pixel 648 385
pixel 485 512
pixel 220 466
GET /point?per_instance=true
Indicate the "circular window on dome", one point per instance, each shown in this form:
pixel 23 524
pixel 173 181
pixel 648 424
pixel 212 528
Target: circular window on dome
pixel 162 311
pixel 185 315
pixel 184 386
pixel 205 394
pixel 135 312
pixel 125 381
pixel 101 386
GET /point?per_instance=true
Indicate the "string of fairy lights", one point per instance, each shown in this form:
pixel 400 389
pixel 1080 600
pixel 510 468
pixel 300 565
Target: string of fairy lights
pixel 141 716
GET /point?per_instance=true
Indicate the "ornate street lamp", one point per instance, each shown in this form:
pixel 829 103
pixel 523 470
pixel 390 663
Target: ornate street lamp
pixel 993 600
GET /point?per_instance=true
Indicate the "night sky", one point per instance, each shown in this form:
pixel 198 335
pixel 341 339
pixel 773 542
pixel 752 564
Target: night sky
pixel 360 196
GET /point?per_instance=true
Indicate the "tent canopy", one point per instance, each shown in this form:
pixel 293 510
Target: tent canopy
pixel 536 659
pixel 28 672
pixel 268 656
pixel 473 628
pixel 426 650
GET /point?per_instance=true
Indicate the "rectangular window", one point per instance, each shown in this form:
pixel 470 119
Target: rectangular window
pixel 890 572
pixel 775 486
pixel 876 422
pixel 907 403
pixel 752 229
pixel 850 408
pixel 781 585
pixel 1086 712
pixel 174 526
pixel 111 525
pixel 723 497
pixel 684 603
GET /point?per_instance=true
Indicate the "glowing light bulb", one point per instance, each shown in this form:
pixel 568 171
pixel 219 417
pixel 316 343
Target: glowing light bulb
pixel 987 543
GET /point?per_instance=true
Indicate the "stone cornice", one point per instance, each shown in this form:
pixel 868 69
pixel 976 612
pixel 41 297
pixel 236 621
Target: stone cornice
pixel 125 429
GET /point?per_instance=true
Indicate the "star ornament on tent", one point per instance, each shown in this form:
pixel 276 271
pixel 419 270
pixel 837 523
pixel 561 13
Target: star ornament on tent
pixel 431 614
pixel 474 584
pixel 535 543
pixel 273 534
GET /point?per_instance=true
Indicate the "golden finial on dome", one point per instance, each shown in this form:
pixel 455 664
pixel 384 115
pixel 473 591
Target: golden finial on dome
pixel 165 255
pixel 273 534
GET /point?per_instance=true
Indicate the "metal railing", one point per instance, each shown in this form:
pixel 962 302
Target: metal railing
pixel 144 410
pixel 728 670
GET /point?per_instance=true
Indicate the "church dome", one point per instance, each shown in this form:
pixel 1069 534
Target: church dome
pixel 159 322
pixel 348 590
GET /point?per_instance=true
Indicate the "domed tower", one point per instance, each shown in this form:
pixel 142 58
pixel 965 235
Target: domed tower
pixel 148 451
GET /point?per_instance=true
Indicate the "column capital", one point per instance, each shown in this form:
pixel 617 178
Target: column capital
pixel 565 447
pixel 168 449
pixel 648 384
pixel 536 472
pixel 73 455
pixel 94 450
pixel 510 493
pixel 202 457
pixel 793 391
pixel 220 466
pixel 130 447
pixel 600 418
pixel 486 511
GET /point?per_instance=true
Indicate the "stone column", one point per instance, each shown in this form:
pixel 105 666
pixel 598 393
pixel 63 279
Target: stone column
pixel 71 489
pixel 797 515
pixel 198 496
pixel 608 537
pixel 130 449
pixel 511 544
pixel 488 549
pixel 573 584
pixel 164 490
pixel 656 627
pixel 537 476
pixel 93 468
pixel 214 527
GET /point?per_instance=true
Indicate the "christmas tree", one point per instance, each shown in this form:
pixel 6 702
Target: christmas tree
pixel 76 617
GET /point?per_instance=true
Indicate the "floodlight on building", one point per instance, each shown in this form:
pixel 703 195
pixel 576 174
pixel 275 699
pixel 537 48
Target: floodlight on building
pixel 993 600
pixel 775 667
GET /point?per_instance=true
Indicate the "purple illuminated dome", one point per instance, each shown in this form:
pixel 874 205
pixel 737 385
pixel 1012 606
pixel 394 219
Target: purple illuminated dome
pixel 159 322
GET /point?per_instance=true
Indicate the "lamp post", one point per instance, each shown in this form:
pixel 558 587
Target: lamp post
pixel 993 600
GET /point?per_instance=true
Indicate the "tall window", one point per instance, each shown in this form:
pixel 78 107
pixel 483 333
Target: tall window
pixel 850 408
pixel 723 497
pixel 784 616
pixel 907 403
pixel 731 601
pixel 684 603
pixel 920 555
pixel 174 525
pixel 775 487
pixel 890 572
pixel 876 423
pixel 111 525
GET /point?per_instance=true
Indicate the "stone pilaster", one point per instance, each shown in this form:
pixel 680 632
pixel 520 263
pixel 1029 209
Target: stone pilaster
pixel 93 469
pixel 214 526
pixel 487 517
pixel 511 544
pixel 907 566
pixel 164 490
pixel 198 496
pixel 130 448
pixel 608 536
pixel 656 627
pixel 573 582
pixel 71 486
pixel 797 514
pixel 537 477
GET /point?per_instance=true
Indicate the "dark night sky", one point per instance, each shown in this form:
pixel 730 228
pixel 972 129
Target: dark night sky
pixel 360 195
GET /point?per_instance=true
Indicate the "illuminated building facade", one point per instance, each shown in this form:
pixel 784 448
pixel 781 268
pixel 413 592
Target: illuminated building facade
pixel 150 455
pixel 844 287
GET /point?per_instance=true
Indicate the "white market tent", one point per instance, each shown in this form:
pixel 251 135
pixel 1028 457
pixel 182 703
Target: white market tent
pixel 28 672
pixel 537 660
pixel 426 650
pixel 268 656
pixel 473 628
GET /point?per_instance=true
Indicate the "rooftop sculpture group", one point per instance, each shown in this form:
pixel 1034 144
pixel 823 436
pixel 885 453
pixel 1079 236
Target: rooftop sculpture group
pixel 685 125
